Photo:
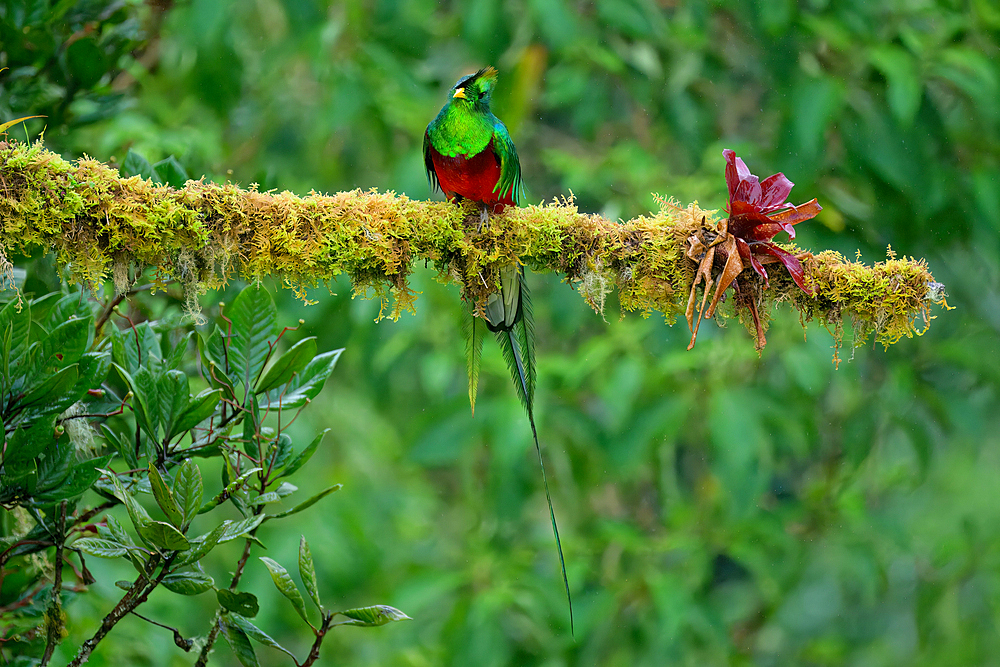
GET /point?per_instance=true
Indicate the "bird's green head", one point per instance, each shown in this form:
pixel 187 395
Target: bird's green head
pixel 475 90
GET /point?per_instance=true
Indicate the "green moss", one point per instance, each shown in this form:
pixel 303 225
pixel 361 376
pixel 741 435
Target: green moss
pixel 100 226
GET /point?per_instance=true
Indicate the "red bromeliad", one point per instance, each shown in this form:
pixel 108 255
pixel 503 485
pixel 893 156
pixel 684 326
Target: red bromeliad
pixel 757 211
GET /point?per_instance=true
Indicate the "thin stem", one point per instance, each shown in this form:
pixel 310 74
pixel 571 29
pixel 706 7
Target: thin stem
pixel 54 615
pixel 182 643
pixel 137 593
pixel 320 635
pixel 213 633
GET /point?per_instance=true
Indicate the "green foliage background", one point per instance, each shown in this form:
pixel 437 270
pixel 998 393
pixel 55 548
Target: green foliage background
pixel 716 507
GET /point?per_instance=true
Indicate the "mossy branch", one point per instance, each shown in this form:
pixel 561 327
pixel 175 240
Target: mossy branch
pixel 100 224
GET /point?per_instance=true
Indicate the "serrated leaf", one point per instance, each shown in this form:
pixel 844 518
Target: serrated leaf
pixel 308 573
pixel 239 642
pixel 165 497
pixel 305 504
pixel 188 583
pixel 370 617
pixel 283 582
pixel 257 634
pixel 164 536
pixel 304 455
pixel 242 603
pixel 101 548
pixel 288 364
pixel 188 489
pixel 305 386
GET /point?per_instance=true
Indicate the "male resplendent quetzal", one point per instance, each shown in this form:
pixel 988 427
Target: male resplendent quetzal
pixel 469 154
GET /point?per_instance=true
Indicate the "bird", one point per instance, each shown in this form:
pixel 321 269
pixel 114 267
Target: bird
pixel 468 154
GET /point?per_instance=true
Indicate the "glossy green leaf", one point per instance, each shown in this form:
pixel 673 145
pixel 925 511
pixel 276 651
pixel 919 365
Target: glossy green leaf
pixel 198 410
pixel 255 319
pixel 230 489
pixel 165 497
pixel 305 504
pixel 257 634
pixel 241 528
pixel 136 512
pixel 50 388
pixel 171 172
pixel 283 582
pixel 304 456
pixel 239 642
pixel 188 583
pixel 95 546
pixel 370 617
pixel 164 536
pixel 305 386
pixel 188 489
pixel 135 164
pixel 242 603
pixel 307 572
pixel 173 392
pixel 203 544
pixel 285 366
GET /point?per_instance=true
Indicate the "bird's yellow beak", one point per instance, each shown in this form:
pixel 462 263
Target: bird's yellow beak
pixel 459 92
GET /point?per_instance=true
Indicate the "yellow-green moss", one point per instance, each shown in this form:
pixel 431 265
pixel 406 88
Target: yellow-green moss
pixel 101 225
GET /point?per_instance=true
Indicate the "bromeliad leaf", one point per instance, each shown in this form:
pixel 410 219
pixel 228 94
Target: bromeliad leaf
pixel 283 582
pixel 242 603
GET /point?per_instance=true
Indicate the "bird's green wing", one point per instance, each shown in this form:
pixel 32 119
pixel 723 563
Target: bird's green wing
pixel 432 177
pixel 510 166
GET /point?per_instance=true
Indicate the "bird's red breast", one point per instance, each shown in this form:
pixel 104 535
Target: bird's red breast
pixel 471 177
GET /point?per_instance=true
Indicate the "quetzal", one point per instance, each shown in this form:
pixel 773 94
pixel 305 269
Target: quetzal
pixel 469 154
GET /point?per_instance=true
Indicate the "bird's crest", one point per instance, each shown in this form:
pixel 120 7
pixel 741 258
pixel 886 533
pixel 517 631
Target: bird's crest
pixel 477 87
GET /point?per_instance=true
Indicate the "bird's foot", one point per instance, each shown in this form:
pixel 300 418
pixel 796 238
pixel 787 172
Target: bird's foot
pixel 484 217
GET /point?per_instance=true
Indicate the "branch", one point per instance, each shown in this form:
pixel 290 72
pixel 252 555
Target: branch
pixel 101 225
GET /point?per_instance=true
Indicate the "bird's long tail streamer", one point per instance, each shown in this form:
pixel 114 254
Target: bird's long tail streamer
pixel 511 352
